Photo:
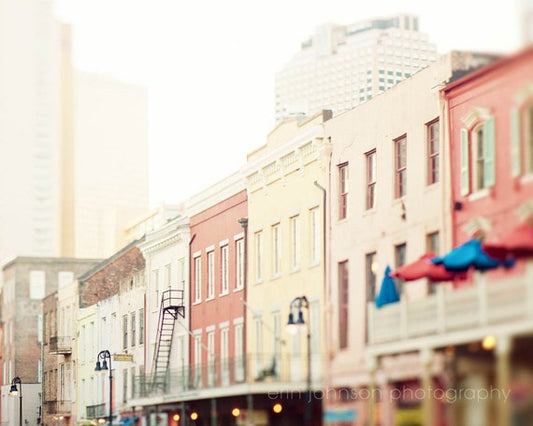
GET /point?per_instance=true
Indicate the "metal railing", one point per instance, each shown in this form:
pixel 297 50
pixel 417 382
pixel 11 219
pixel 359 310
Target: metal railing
pixel 58 407
pixel 60 345
pixel 224 373
pixel 95 411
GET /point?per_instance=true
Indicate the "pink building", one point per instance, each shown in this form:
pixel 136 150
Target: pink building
pixel 491 154
pixel 217 256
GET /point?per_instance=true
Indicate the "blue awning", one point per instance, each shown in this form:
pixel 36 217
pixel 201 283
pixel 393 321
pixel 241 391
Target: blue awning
pixel 339 416
pixel 128 421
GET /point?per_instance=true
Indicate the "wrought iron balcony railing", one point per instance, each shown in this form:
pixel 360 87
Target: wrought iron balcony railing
pixel 224 373
pixel 95 411
pixel 60 345
pixel 57 407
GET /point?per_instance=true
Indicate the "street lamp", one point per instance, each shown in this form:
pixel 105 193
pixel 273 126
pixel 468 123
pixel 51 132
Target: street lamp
pixel 104 355
pixel 14 391
pixel 292 326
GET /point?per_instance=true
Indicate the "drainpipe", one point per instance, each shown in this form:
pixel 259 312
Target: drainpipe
pixel 190 290
pixel 249 398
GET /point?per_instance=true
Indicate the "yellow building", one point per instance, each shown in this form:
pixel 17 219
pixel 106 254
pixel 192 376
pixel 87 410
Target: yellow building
pixel 285 182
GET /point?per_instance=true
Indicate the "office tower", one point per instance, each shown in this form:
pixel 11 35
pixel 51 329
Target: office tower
pixel 29 129
pixel 343 65
pixel 111 162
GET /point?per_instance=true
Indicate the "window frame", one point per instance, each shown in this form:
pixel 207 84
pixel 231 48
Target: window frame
pixel 197 279
pixel 371 178
pixel 224 269
pixel 343 190
pixel 276 249
pixel 433 155
pixel 211 274
pixel 400 167
pixel 343 301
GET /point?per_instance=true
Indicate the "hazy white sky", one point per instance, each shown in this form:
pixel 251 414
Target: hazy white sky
pixel 209 65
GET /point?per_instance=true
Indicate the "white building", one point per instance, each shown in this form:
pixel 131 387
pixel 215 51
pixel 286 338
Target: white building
pixel 343 65
pixel 166 252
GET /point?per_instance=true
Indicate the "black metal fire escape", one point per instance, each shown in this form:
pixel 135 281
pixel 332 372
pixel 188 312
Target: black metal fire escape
pixel 171 307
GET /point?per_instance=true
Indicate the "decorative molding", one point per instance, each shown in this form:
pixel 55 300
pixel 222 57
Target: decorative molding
pixel 473 115
pixel 477 226
pixel 524 94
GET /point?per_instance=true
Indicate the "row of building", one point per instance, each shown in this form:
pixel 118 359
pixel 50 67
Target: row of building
pixel 189 321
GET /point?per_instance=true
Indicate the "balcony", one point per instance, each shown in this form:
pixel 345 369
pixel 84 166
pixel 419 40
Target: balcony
pixel 60 345
pixel 58 407
pixel 226 375
pixel 454 316
pixel 95 411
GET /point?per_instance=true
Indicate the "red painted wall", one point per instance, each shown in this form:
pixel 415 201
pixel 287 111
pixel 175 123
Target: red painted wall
pixel 209 228
pixel 494 87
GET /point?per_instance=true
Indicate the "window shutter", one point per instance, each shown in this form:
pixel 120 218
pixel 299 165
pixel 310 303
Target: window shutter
pixel 465 161
pixel 489 151
pixel 515 143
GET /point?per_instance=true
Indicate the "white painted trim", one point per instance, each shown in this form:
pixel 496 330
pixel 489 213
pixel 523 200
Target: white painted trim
pixel 197 332
pixel 210 248
pixel 224 242
pixel 275 309
pixel 238 236
pixel 197 254
pixel 239 320
pixel 210 328
pixel 293 213
pixel 223 324
pixel 275 221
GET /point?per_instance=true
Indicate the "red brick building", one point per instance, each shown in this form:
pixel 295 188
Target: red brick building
pixel 217 301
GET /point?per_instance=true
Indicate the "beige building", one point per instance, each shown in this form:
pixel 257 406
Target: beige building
pixel 341 66
pixel 111 162
pixel 389 206
pixel 285 178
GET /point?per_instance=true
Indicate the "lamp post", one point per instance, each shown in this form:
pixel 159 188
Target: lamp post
pixel 104 355
pixel 292 325
pixel 14 391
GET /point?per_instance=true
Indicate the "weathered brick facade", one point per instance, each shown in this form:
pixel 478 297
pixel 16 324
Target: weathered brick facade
pixel 104 280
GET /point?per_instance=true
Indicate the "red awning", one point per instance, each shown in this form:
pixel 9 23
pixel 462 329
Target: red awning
pixel 517 243
pixel 424 268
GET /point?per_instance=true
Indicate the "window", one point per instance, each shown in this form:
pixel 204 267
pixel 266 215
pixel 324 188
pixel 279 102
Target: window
pixel 37 284
pixel 259 256
pixel 522 140
pixel 133 325
pixel 224 273
pixel 315 236
pixel 295 242
pixel 343 304
pixel 370 276
pixel 400 164
pixel 258 344
pixel 64 278
pixel 181 266
pixel 477 157
pixel 400 253
pixel 124 386
pixel 155 285
pixel 370 179
pixel 432 243
pixel 239 249
pixel 239 352
pixel 197 279
pixel 168 275
pixel 211 275
pixel 343 190
pixel 211 357
pixel 141 326
pixel 276 250
pixel 432 135
pixel 125 331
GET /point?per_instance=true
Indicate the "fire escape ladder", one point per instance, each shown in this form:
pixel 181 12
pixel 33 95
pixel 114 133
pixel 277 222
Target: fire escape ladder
pixel 171 308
